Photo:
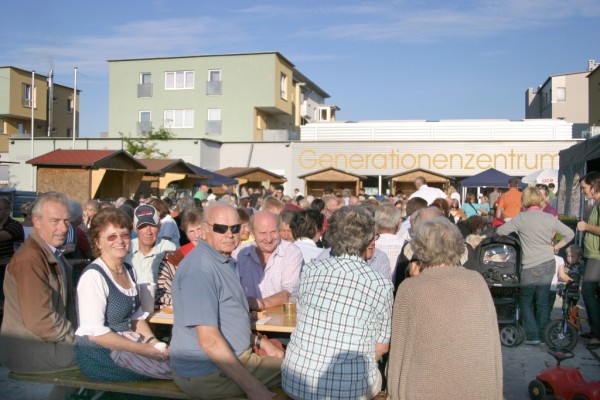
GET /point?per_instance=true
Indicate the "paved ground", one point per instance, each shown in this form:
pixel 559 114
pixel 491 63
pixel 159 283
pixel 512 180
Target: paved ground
pixel 521 364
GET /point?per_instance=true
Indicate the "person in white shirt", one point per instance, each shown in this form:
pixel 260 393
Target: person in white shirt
pixel 426 192
pixel 306 227
pixel 147 250
pixel 387 223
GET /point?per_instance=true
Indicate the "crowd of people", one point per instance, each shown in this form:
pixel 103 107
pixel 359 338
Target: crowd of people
pixel 387 288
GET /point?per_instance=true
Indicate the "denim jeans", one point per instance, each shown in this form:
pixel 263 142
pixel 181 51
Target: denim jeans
pixel 535 286
pixel 589 292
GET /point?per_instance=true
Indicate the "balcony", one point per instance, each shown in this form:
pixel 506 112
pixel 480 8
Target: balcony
pixel 214 88
pixel 144 90
pixel 279 135
pixel 143 127
pixel 213 127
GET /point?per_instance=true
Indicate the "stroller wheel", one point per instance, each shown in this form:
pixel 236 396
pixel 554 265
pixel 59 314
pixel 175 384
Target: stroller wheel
pixel 510 336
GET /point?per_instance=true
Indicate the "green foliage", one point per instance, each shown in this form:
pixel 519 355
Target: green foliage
pixel 146 145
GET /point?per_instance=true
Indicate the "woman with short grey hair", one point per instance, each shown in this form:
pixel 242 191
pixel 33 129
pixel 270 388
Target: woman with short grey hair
pixel 436 313
pixel 343 317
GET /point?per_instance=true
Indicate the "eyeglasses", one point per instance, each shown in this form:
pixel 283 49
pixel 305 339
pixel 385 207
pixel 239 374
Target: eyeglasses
pixel 542 187
pixel 222 229
pixel 114 236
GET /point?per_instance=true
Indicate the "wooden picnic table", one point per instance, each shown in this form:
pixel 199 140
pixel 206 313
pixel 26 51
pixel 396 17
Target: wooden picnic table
pixel 271 320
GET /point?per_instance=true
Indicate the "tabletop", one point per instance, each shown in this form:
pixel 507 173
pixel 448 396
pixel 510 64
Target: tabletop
pixel 271 320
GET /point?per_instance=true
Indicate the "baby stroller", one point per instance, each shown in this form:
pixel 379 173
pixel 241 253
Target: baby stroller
pixel 499 260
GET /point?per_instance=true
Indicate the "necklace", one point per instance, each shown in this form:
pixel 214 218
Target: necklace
pixel 114 271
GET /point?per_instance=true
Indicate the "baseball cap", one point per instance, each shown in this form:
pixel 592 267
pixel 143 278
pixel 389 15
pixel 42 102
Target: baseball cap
pixel 145 214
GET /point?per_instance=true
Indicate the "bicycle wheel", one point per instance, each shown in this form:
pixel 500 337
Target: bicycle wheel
pixel 561 335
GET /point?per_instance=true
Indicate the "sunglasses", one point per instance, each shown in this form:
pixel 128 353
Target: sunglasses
pixel 222 229
pixel 114 236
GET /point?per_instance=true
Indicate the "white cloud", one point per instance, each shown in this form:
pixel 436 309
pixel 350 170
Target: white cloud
pixel 137 39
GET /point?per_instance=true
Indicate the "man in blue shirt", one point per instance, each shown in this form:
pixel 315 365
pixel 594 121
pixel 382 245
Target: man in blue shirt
pixel 211 352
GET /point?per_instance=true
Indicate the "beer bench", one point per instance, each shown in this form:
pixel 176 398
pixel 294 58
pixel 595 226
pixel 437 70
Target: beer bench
pixel 155 388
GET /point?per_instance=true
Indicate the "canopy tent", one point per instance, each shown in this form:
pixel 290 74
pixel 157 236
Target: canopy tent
pixel 545 176
pixel 214 178
pixel 489 178
pixel 575 162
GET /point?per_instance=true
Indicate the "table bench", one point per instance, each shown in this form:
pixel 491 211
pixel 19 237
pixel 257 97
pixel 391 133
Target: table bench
pixel 155 388
pixel 158 388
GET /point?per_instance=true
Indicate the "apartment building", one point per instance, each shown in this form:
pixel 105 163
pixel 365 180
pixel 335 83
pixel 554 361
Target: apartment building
pixel 53 107
pixel 227 97
pixel 594 100
pixel 563 96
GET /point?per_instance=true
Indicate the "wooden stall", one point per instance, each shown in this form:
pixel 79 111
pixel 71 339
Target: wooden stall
pixel 88 174
pixel 404 182
pixel 336 179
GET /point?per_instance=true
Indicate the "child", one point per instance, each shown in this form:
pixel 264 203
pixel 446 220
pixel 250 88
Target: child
pixel 575 264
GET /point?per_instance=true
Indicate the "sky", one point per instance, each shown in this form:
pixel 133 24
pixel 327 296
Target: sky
pixel 378 60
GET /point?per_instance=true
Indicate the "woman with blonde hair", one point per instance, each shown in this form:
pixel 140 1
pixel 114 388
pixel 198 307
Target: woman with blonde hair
pixel 536 229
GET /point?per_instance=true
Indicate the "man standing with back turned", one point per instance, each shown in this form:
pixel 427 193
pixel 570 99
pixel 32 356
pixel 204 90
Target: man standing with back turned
pixel 211 353
pixel 509 204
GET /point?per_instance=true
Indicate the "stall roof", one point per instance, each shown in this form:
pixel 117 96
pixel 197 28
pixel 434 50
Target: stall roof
pixel 159 166
pixel 241 172
pixel 327 171
pixel 87 158
pixel 420 171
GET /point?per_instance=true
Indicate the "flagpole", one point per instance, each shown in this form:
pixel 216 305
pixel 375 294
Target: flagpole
pixel 75 108
pixel 32 104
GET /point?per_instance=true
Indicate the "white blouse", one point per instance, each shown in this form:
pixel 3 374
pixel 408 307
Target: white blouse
pixel 92 292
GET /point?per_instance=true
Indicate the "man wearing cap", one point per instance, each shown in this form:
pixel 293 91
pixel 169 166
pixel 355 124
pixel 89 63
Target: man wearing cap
pixel 147 250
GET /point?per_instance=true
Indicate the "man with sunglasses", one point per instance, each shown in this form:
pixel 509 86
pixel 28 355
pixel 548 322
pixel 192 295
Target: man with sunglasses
pixel 211 353
pixel 147 250
pixel 269 267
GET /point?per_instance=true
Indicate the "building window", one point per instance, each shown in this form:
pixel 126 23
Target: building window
pixel 144 124
pixel 69 105
pixel 28 95
pixel 144 88
pixel 561 94
pixel 69 130
pixel 214 84
pixel 283 86
pixel 213 121
pixel 179 119
pixel 179 80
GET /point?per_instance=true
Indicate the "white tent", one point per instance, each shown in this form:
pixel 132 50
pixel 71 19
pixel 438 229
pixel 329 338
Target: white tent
pixel 545 176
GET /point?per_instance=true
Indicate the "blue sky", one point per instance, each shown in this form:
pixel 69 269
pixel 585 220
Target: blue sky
pixel 379 60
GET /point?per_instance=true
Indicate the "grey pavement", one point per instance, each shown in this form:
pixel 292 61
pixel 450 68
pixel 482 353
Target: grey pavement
pixel 521 364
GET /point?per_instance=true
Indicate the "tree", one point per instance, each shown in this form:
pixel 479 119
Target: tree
pixel 146 145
